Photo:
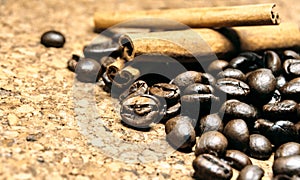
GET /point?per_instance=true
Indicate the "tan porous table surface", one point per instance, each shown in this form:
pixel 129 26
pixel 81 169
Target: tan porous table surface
pixel 39 133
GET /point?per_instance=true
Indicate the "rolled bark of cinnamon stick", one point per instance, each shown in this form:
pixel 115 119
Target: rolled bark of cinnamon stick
pixel 113 69
pixel 258 14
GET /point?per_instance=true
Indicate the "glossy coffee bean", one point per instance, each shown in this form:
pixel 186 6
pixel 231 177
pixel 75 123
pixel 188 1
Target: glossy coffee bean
pixel 285 177
pixel 237 134
pixel 232 73
pixel 292 67
pixel 253 57
pixel 247 61
pixel 251 172
pixel 208 79
pixel 259 147
pixel 287 149
pixel 169 92
pixel 211 122
pixel 290 54
pixel 291 90
pixel 139 87
pixel 99 50
pixel 280 81
pixel 233 87
pixel 173 111
pixel 272 61
pixel 286 109
pixel 87 70
pixel 237 159
pixel 198 88
pixel 276 97
pixel 189 77
pixel 180 132
pixel 211 142
pixel 217 66
pixel 53 39
pixel 210 167
pixel 288 165
pixel 73 62
pixel 141 111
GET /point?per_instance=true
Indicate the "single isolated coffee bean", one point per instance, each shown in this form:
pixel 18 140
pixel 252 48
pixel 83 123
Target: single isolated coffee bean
pixel 53 39
pixel 211 142
pixel 288 165
pixel 87 70
pixel 99 50
pixel 237 159
pixel 232 73
pixel 286 109
pixel 169 92
pixel 211 122
pixel 237 133
pixel 180 132
pixel 234 88
pixel 259 147
pixel 292 67
pixel 251 172
pixel 209 167
pixel 272 61
pixel 287 149
pixel 141 111
pixel 198 88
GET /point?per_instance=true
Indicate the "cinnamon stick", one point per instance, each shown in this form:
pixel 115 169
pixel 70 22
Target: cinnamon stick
pixel 258 14
pixel 113 69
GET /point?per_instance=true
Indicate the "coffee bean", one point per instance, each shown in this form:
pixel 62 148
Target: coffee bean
pixel 232 73
pixel 287 149
pixel 291 90
pixel 87 70
pixel 198 88
pixel 217 66
pixel 187 78
pixel 173 111
pixel 237 134
pixel 272 62
pixel 286 109
pixel 290 54
pixel 208 79
pixel 180 132
pixel 211 142
pixel 209 167
pixel 280 81
pixel 53 39
pixel 237 159
pixel 99 50
pixel 285 177
pixel 259 147
pixel 251 172
pixel 141 111
pixel 253 57
pixel 234 88
pixel 211 122
pixel 288 165
pixel 139 87
pixel 247 61
pixel 292 67
pixel 169 92
pixel 73 62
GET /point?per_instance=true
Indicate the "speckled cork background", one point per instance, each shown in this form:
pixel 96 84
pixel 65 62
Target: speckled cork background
pixel 39 133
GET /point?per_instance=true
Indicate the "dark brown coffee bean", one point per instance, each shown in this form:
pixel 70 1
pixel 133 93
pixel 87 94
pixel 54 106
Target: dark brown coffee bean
pixel 209 167
pixel 187 78
pixel 288 165
pixel 276 98
pixel 287 149
pixel 139 87
pixel 99 50
pixel 291 90
pixel 232 73
pixel 237 134
pixel 280 81
pixel 173 111
pixel 286 109
pixel 251 172
pixel 290 54
pixel 259 147
pixel 285 177
pixel 180 132
pixel 211 122
pixel 237 159
pixel 73 62
pixel 247 61
pixel 169 92
pixel 233 87
pixel 208 79
pixel 211 142
pixel 141 111
pixel 53 39
pixel 217 66
pixel 87 70
pixel 292 67
pixel 198 88
pixel 272 62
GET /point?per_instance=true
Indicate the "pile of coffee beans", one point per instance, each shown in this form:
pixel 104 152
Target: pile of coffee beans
pixel 248 106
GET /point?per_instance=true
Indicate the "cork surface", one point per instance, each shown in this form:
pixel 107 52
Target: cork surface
pixel 42 111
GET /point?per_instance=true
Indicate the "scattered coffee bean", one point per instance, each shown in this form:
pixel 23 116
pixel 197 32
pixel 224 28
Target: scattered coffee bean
pixel 288 165
pixel 211 142
pixel 53 39
pixel 87 70
pixel 210 167
pixel 259 147
pixel 211 122
pixel 251 172
pixel 287 149
pixel 247 61
pixel 272 62
pixel 234 88
pixel 237 159
pixel 232 73
pixel 169 92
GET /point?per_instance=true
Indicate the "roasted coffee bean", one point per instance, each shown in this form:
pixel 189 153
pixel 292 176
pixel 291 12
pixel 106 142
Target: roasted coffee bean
pixel 87 70
pixel 247 61
pixel 141 111
pixel 237 159
pixel 173 111
pixel 180 132
pixel 217 66
pixel 286 109
pixel 232 73
pixel 235 109
pixel 288 165
pixel 285 177
pixel 272 62
pixel 280 81
pixel 99 50
pixel 287 149
pixel 259 147
pixel 211 122
pixel 198 88
pixel 211 142
pixel 276 98
pixel 291 90
pixel 234 88
pixel 53 39
pixel 139 87
pixel 189 77
pixel 237 134
pixel 292 67
pixel 253 57
pixel 251 172
pixel 169 92
pixel 208 79
pixel 290 54
pixel 297 125
pixel 209 167
pixel 73 62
